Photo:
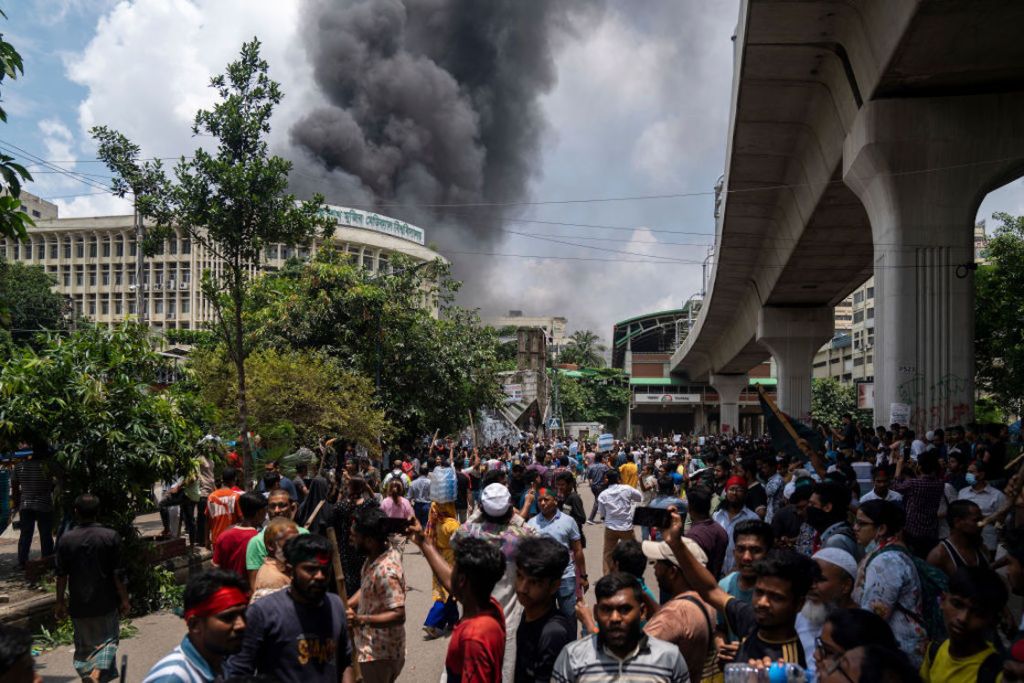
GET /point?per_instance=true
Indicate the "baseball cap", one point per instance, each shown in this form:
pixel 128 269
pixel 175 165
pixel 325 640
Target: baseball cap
pixel 496 500
pixel 659 550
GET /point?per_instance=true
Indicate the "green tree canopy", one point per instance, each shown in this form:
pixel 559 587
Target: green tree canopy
pixel 584 349
pixel 31 305
pixel 303 394
pixel 432 369
pixel 831 399
pixel 599 397
pixel 13 221
pixel 88 396
pixel 999 316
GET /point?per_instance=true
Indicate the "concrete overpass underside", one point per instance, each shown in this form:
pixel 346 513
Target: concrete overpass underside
pixel 797 234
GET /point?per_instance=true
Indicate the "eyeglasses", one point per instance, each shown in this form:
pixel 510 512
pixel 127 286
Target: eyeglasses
pixel 862 523
pixel 825 650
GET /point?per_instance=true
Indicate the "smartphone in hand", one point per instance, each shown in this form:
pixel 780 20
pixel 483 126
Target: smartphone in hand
pixel 659 518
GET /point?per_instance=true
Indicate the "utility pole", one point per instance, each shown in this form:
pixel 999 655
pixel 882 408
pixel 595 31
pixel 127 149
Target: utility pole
pixel 141 292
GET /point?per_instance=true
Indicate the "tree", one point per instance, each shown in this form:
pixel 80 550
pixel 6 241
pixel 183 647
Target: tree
pixel 583 349
pixel 147 184
pixel 234 202
pixel 32 306
pixel 305 394
pixel 999 316
pixel 13 221
pixel 831 399
pixel 597 396
pixel 429 370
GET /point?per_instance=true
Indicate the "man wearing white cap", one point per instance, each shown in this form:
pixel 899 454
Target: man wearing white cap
pixel 498 522
pixel 838 575
pixel 685 620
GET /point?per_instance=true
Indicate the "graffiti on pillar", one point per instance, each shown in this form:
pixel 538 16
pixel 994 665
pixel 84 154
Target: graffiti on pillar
pixel 945 402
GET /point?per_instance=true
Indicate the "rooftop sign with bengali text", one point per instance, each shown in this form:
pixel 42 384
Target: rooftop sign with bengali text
pixel 369 220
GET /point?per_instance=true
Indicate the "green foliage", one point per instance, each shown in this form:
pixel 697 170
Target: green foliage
pixel 235 201
pixel 295 396
pixel 988 411
pixel 31 306
pixel 88 396
pixel 999 316
pixel 63 634
pixel 433 369
pixel 599 396
pixel 145 181
pixel 831 399
pixel 583 349
pixel 201 338
pixel 13 221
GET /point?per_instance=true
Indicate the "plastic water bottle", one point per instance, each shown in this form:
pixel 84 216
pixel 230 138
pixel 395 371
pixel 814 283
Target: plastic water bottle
pixel 443 485
pixel 778 672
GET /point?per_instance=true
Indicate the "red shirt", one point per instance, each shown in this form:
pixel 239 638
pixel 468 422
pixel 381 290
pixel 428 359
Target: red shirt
pixel 477 648
pixel 222 510
pixel 229 549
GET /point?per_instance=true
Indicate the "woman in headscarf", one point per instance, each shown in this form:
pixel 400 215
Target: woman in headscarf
pixel 356 496
pixel 317 490
pixel 441 526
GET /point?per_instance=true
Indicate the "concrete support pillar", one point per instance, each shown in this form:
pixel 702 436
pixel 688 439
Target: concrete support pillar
pixel 728 388
pixel 921 167
pixel 794 335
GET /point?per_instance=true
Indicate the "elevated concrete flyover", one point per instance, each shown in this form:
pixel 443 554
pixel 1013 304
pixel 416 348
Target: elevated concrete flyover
pixel 863 136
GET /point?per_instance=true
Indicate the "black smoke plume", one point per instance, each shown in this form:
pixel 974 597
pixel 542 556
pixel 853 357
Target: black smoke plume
pixel 432 102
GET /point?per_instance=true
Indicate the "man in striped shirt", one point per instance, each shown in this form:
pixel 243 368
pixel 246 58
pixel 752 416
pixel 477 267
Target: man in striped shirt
pixel 215 604
pixel 620 651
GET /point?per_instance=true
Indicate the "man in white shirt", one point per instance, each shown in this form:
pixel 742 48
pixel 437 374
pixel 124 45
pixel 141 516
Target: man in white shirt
pixel 917 447
pixel 616 506
pixel 986 497
pixel 732 513
pixel 881 477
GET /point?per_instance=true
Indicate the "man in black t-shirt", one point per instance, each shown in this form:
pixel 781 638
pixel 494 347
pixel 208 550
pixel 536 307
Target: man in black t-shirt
pixel 461 492
pixel 88 559
pixel 766 625
pixel 543 630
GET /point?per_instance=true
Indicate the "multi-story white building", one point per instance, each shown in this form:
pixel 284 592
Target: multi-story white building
pixel 93 261
pixel 554 326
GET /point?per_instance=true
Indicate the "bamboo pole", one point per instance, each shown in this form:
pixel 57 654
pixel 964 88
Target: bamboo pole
pixel 1011 495
pixel 339 577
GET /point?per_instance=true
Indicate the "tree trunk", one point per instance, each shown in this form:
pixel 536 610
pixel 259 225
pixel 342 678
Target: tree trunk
pixel 238 343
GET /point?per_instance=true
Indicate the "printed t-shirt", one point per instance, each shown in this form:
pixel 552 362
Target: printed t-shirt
pixel 290 641
pixel 947 669
pixel 222 510
pixel 740 618
pixel 538 644
pixel 477 648
pixel 229 549
pixel 382 588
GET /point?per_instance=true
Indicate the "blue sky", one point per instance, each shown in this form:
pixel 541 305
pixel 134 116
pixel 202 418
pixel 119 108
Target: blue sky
pixel 640 108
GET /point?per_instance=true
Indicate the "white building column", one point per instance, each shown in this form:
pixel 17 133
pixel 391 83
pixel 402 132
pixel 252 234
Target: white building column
pixel 921 167
pixel 728 388
pixel 794 335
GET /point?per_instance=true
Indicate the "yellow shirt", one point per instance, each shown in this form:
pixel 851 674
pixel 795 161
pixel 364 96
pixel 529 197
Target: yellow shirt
pixel 628 475
pixel 947 669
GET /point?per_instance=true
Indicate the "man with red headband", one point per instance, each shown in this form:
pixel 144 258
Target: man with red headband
pixel 300 632
pixel 215 603
pixel 732 513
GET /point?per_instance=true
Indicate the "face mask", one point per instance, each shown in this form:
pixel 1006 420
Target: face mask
pixel 971 479
pixel 871 547
pixel 817 518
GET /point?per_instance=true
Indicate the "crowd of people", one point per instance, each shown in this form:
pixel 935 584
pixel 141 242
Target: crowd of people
pixel 871 558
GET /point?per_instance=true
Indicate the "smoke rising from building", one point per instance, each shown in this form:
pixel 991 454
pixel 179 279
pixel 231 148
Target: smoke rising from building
pixel 428 103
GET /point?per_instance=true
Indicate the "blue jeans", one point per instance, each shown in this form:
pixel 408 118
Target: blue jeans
pixel 566 599
pixel 422 512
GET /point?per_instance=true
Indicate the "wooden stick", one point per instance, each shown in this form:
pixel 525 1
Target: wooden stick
pixel 1013 462
pixel 316 511
pixel 811 454
pixel 339 577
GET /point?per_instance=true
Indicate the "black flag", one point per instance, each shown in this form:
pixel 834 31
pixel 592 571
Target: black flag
pixel 785 430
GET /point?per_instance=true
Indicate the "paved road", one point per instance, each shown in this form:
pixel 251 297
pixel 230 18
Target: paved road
pixel 158 633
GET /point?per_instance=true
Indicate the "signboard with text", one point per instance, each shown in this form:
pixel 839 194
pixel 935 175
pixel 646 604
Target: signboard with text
pixel 667 399
pixel 369 220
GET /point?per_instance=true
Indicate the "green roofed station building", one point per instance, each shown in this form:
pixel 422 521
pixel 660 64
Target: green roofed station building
pixel 662 403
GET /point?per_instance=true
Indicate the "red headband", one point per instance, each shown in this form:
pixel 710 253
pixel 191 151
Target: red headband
pixel 735 480
pixel 223 599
